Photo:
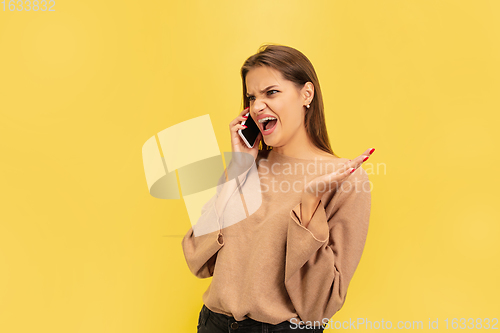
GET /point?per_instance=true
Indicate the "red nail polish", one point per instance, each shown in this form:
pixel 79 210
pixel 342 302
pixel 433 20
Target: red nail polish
pixel 365 158
pixel 372 150
pixel 247 108
pixel 353 170
pixel 244 126
pixel 245 116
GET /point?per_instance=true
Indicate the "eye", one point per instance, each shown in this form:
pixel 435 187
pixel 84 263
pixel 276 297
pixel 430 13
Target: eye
pixel 252 97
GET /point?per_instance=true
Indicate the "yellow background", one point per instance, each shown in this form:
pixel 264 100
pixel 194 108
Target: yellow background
pixel 85 248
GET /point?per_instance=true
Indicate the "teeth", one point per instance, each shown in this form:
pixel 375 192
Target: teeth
pixel 264 119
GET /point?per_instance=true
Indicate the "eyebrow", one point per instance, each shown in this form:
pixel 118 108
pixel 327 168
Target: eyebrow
pixel 274 85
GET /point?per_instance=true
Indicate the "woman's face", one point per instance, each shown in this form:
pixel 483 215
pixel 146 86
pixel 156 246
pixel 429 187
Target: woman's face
pixel 272 96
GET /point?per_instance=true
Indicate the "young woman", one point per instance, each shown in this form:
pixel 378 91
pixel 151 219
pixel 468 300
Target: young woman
pixel 286 266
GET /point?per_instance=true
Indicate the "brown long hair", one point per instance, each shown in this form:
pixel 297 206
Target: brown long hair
pixel 295 67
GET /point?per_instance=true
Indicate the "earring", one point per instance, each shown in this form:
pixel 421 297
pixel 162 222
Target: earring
pixel 308 106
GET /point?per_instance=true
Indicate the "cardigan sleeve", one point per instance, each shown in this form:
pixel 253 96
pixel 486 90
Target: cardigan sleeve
pixel 200 250
pixel 203 241
pixel 321 259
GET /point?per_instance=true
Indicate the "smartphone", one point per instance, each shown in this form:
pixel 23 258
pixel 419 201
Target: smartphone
pixel 249 134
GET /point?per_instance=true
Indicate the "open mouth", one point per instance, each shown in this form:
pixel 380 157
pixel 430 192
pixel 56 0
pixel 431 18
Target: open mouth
pixel 267 124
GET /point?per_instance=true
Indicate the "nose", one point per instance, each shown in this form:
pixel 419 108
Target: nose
pixel 257 109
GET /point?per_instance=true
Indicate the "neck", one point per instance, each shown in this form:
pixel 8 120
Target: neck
pixel 300 146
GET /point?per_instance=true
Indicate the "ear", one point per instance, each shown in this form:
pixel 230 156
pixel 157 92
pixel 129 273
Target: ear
pixel 308 92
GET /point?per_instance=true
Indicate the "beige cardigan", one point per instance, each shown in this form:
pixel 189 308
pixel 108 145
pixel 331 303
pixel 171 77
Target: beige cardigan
pixel 268 266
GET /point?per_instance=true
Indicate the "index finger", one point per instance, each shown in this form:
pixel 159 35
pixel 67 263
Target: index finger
pixel 237 119
pixel 245 110
pixel 356 162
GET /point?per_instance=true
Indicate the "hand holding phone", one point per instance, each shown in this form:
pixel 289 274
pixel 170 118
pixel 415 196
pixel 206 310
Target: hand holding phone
pixel 250 133
pixel 245 134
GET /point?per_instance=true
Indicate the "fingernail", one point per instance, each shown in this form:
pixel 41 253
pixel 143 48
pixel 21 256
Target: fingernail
pixel 247 108
pixel 245 116
pixel 353 170
pixel 364 159
pixel 245 126
pixel 372 150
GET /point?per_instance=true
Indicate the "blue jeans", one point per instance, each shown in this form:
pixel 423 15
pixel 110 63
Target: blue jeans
pixel 212 322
